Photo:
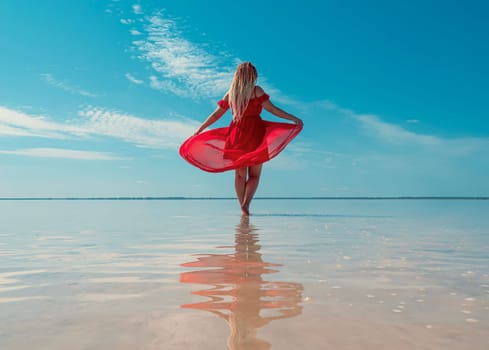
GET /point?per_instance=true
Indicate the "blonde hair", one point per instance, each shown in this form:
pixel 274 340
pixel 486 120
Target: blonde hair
pixel 241 88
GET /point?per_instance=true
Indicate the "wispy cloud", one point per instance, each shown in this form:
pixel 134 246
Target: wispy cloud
pixel 288 161
pixel 52 81
pixel 15 123
pixel 168 85
pixel 141 132
pixel 137 9
pixel 301 155
pixel 134 80
pixel 94 121
pixel 182 66
pixel 62 153
pixel 397 135
pixel 7 130
pixel 394 134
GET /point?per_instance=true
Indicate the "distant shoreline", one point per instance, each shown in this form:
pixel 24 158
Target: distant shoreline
pixel 233 198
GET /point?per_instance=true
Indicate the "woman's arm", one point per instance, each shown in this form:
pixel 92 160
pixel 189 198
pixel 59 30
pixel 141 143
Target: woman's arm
pixel 211 119
pixel 270 107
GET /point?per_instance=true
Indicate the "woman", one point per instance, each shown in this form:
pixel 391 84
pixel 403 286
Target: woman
pixel 248 141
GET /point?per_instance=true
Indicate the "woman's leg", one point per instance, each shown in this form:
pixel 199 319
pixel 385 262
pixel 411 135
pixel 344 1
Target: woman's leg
pixel 254 173
pixel 240 184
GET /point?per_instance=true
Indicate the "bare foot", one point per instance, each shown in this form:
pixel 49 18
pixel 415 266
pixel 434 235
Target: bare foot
pixel 245 211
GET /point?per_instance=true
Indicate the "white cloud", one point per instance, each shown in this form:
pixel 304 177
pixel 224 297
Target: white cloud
pixel 6 130
pixel 394 133
pixel 137 9
pixel 134 80
pixel 62 153
pixel 397 135
pixel 183 67
pixel 288 161
pixel 186 68
pixel 467 145
pixel 141 132
pixel 15 123
pixel 331 106
pixel 167 85
pixel 412 121
pixel 99 122
pixel 59 84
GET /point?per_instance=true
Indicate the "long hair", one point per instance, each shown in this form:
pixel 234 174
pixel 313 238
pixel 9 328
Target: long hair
pixel 241 88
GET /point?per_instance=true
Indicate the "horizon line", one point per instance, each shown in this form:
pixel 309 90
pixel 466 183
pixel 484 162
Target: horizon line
pixel 127 198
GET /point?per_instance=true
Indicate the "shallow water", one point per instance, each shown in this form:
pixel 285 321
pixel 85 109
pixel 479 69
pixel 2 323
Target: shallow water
pixel 193 274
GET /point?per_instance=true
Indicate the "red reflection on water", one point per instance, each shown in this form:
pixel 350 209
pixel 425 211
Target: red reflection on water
pixel 239 292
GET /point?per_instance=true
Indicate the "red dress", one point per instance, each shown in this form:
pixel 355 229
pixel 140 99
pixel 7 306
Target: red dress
pixel 247 142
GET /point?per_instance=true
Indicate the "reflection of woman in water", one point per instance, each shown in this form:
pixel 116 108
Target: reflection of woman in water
pixel 239 294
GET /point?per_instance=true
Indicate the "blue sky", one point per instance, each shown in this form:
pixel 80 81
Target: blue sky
pixel 97 96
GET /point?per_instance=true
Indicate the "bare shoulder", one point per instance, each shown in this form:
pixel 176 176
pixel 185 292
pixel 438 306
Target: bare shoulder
pixel 259 91
pixel 226 97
